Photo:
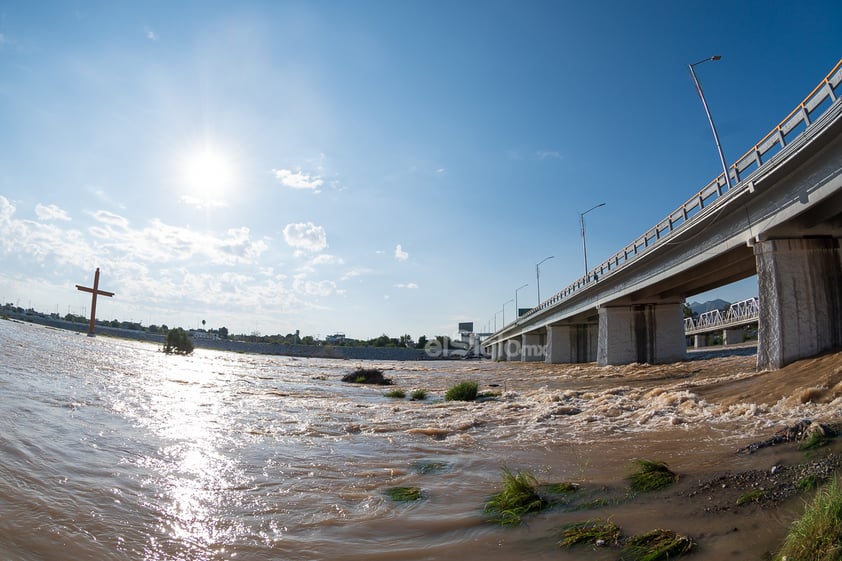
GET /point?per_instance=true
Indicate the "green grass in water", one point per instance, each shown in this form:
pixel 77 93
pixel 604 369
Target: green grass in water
pixel 518 498
pixel 429 466
pixel 418 395
pixel 817 535
pixel 750 497
pixel 589 532
pixel 651 476
pixel 404 494
pixel 815 440
pixel 396 394
pixel 463 391
pixel 656 545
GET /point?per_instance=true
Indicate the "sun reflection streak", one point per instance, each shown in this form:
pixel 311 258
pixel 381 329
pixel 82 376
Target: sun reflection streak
pixel 193 472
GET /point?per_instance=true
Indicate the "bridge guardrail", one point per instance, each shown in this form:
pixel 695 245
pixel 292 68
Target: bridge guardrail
pixel 823 96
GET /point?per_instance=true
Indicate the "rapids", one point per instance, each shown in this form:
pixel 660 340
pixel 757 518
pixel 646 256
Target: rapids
pixel 111 450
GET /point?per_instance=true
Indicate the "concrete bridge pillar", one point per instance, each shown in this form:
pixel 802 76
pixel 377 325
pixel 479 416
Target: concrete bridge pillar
pixel 700 340
pixel 800 291
pixel 569 344
pixel 644 333
pixel 733 336
pixel 510 349
pixel 494 350
pixel 531 348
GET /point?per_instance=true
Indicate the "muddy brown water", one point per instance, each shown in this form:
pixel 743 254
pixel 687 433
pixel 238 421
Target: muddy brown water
pixel 111 450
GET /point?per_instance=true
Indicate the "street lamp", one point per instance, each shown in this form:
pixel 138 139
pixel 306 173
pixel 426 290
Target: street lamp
pixel 517 312
pixel 538 277
pixel 710 119
pixel 582 225
pixel 503 316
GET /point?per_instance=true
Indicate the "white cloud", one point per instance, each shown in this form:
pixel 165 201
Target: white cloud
pixel 51 212
pixel 314 288
pixel 409 285
pixel 111 219
pixel 305 236
pixel 299 180
pixel 151 35
pixel 548 155
pixel 400 254
pixel 355 272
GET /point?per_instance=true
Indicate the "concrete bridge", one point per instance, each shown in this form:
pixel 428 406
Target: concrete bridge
pixel 781 219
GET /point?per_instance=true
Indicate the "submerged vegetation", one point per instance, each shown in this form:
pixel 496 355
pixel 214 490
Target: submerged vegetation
pixel 418 395
pixel 404 494
pixel 518 497
pixel 656 545
pixel 396 393
pixel 817 535
pixel 594 532
pixel 651 476
pixel 463 391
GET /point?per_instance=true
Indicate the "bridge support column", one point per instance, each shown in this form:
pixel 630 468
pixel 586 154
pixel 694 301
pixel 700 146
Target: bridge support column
pixel 733 336
pixel 510 349
pixel 494 350
pixel 647 333
pixel 531 349
pixel 800 292
pixel 700 340
pixel 569 344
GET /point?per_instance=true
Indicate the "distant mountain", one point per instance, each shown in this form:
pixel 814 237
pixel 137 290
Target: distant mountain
pixel 700 308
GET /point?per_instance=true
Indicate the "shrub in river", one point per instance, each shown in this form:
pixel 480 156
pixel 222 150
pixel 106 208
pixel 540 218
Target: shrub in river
pixel 651 476
pixel 178 342
pixel 463 391
pixel 518 498
pixel 656 545
pixel 817 535
pixel 596 532
pixel 418 395
pixel 404 494
pixel 396 393
pixel 367 376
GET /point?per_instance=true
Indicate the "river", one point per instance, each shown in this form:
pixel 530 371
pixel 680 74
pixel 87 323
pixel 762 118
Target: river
pixel 112 450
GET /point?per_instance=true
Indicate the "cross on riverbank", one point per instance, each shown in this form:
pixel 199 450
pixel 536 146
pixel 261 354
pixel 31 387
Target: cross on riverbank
pixel 95 291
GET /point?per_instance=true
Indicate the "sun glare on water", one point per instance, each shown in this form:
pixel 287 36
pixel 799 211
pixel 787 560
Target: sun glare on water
pixel 207 175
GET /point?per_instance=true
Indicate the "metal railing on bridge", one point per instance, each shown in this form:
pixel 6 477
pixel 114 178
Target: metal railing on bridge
pixel 807 112
pixel 737 314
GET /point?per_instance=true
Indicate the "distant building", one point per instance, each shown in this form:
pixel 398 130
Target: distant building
pixel 335 339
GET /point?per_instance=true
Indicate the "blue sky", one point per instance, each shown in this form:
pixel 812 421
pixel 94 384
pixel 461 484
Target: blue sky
pixel 367 167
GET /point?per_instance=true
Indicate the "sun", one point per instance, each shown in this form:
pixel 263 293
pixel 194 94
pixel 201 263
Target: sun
pixel 207 174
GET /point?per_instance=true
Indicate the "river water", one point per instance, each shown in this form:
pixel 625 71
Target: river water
pixel 111 450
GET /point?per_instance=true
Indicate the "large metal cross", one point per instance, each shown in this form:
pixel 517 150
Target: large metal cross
pixel 95 291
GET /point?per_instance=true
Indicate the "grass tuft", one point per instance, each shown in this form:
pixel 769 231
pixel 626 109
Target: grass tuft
pixel 817 535
pixel 418 395
pixel 396 394
pixel 430 466
pixel 651 476
pixel 463 391
pixel 596 532
pixel 808 482
pixel 752 496
pixel 815 439
pixel 656 546
pixel 518 498
pixel 404 494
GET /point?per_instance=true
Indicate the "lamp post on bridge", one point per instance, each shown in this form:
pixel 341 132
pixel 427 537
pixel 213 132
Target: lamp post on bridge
pixel 584 246
pixel 538 277
pixel 710 119
pixel 503 316
pixel 517 312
